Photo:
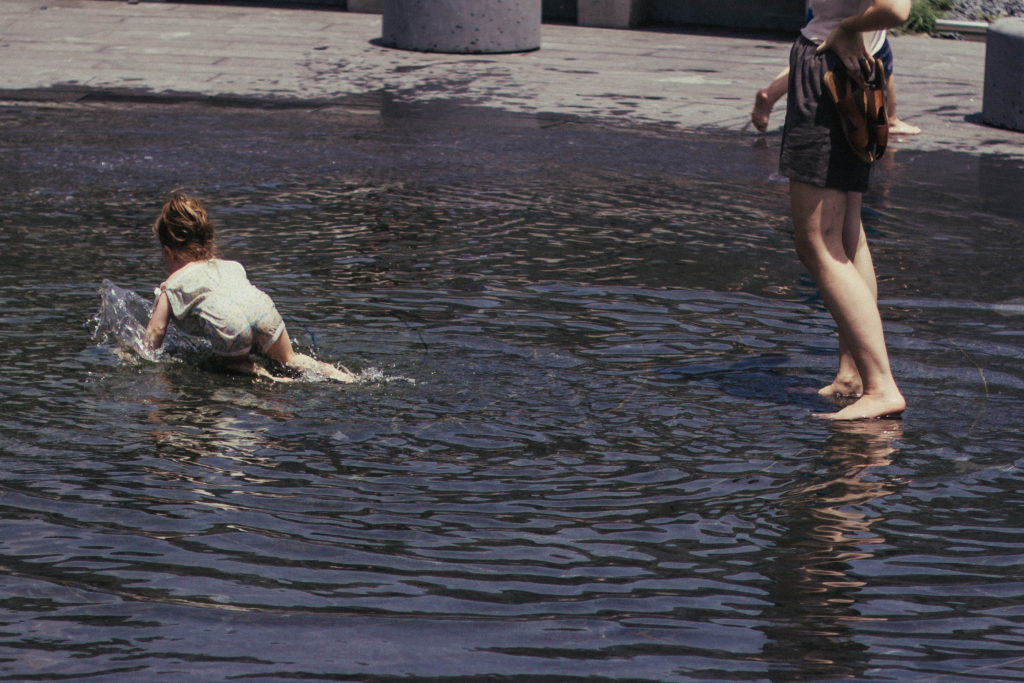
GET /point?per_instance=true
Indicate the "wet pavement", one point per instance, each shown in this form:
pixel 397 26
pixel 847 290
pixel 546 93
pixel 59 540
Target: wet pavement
pixel 685 80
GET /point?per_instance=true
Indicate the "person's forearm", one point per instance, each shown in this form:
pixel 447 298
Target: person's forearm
pixel 154 337
pixel 157 327
pixel 883 14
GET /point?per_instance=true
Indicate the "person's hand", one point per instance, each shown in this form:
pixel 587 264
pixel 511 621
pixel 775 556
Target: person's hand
pixel 849 47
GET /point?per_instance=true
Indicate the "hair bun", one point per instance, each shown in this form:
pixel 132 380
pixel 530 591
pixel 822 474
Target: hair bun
pixel 178 233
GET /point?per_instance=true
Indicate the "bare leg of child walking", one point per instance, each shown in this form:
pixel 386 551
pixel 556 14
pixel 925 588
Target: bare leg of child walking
pixel 897 126
pixel 828 227
pixel 766 98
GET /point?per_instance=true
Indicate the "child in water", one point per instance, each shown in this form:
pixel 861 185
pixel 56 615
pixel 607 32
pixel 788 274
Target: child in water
pixel 212 298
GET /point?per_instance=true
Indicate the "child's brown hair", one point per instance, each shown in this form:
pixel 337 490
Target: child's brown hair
pixel 184 227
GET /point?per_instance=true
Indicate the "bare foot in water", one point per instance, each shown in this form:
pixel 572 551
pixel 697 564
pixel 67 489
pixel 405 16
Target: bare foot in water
pixel 762 111
pixel 318 368
pixel 841 387
pixel 870 406
pixel 898 126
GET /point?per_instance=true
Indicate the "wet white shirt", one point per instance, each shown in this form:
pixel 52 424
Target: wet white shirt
pixel 215 300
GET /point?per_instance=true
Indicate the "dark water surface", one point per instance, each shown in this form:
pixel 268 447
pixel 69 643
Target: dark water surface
pixel 583 444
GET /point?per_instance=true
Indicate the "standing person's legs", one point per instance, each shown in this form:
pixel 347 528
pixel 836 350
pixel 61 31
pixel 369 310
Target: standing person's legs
pixel 828 228
pixel 855 245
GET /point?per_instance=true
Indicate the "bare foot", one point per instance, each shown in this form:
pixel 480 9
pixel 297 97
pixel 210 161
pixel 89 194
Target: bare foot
pixel 841 387
pixel 304 363
pixel 898 126
pixel 870 406
pixel 337 373
pixel 762 111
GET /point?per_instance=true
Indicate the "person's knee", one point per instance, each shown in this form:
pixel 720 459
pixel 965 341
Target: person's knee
pixel 281 349
pixel 807 250
pixel 854 243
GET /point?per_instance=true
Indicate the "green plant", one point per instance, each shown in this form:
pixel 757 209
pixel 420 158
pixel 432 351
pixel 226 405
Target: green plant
pixel 923 15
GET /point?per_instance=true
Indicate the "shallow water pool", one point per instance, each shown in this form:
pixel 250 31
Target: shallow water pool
pixel 582 446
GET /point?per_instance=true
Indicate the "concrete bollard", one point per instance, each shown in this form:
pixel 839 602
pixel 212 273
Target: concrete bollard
pixel 1003 100
pixel 612 13
pixel 462 26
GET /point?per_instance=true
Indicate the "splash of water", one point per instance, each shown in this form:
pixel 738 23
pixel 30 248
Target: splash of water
pixel 121 322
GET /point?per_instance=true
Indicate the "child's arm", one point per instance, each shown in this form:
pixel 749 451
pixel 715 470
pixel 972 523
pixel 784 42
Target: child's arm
pixel 157 327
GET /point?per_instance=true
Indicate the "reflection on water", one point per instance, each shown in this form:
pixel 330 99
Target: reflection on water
pixel 828 522
pixel 605 464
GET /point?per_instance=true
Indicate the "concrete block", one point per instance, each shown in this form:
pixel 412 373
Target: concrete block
pixel 612 13
pixel 462 26
pixel 559 10
pixel 1003 100
pixel 762 15
pixel 366 6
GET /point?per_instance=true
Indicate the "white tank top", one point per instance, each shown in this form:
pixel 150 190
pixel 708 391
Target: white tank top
pixel 826 15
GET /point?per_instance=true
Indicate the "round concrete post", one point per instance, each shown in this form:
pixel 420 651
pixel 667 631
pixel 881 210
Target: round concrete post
pixel 1003 103
pixel 462 26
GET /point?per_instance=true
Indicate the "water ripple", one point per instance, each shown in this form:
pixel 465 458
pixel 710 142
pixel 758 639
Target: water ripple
pixel 581 446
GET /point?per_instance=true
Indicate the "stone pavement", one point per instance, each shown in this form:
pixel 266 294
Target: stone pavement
pixel 687 80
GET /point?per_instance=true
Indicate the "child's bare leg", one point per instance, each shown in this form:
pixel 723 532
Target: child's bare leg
pixel 245 366
pixel 765 99
pixel 304 363
pixel 282 352
pixel 897 126
pixel 823 228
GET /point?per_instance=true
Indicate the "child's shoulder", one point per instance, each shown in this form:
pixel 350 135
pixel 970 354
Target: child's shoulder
pixel 205 269
pixel 230 266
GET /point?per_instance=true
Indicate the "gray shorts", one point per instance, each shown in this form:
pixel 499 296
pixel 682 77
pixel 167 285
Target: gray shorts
pixel 814 150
